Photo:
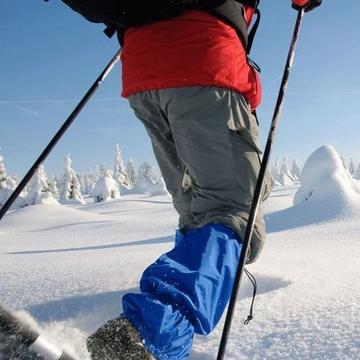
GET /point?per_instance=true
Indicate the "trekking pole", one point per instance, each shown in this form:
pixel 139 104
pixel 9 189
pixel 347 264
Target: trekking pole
pixel 258 189
pixel 59 134
pixel 26 336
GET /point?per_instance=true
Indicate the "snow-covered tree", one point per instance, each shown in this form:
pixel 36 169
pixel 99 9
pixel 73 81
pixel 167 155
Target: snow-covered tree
pixel 39 189
pixel 131 173
pixel 347 165
pixel 275 172
pixel 54 187
pixel 12 182
pixel 147 173
pixel 357 173
pixel 103 170
pixel 7 186
pixel 81 182
pixel 71 192
pixel 106 189
pixel 89 182
pixel 352 169
pixel 148 182
pixel 120 174
pixel 286 177
pixel 4 189
pixel 3 174
pixel 344 162
pixel 295 170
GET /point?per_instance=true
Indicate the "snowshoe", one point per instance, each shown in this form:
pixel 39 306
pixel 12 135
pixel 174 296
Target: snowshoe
pixel 15 348
pixel 117 340
pixel 20 341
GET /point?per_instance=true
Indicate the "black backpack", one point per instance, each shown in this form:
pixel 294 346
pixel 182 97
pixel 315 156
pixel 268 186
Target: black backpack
pixel 118 15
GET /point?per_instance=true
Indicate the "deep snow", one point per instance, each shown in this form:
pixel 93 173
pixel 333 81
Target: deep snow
pixel 68 266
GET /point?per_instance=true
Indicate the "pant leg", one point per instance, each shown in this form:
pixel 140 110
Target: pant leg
pixel 147 109
pixel 216 137
pixel 185 291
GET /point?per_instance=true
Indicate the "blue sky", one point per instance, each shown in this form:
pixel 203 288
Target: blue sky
pixel 50 56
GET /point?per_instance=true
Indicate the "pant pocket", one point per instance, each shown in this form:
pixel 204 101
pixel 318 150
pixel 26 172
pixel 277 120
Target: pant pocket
pixel 244 125
pixel 242 122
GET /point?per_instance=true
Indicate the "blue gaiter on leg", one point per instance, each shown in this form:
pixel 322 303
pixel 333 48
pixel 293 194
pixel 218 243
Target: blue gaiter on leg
pixel 185 291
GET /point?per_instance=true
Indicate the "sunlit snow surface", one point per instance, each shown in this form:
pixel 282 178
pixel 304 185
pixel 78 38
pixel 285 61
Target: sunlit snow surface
pixel 68 267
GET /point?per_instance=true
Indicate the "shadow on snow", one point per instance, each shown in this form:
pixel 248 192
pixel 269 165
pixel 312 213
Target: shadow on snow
pixel 162 240
pixel 77 306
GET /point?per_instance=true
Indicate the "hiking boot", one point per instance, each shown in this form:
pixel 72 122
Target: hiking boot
pixel 117 340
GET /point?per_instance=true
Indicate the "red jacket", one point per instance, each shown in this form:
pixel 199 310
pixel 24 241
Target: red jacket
pixel 193 49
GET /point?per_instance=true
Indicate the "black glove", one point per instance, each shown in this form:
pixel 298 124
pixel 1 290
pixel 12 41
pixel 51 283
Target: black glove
pixel 312 4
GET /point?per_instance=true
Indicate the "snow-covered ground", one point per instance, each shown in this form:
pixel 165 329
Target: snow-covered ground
pixel 68 266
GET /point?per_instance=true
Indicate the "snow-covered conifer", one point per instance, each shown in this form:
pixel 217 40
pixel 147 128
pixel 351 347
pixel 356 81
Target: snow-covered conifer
pixel 106 189
pixel 148 182
pixel 39 189
pixel 13 182
pixel 357 173
pixel 120 174
pixel 103 170
pixel 71 192
pixel 286 177
pixel 4 189
pixel 81 182
pixel 295 170
pixel 147 173
pixel 3 174
pixel 89 182
pixel 8 185
pixel 275 172
pixel 54 187
pixel 344 162
pixel 352 169
pixel 131 173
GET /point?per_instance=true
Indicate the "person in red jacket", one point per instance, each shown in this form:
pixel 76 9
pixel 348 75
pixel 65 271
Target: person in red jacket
pixel 189 81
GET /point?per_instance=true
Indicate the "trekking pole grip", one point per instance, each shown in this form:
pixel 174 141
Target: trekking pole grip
pixel 258 189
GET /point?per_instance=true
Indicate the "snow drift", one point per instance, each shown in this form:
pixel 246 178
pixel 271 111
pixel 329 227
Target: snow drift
pixel 68 267
pixel 327 192
pixel 325 182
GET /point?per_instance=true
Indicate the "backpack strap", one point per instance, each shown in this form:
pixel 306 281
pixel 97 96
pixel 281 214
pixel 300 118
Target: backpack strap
pixel 232 13
pixel 253 31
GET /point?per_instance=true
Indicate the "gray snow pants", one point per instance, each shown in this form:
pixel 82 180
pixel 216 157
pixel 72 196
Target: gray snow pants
pixel 205 140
